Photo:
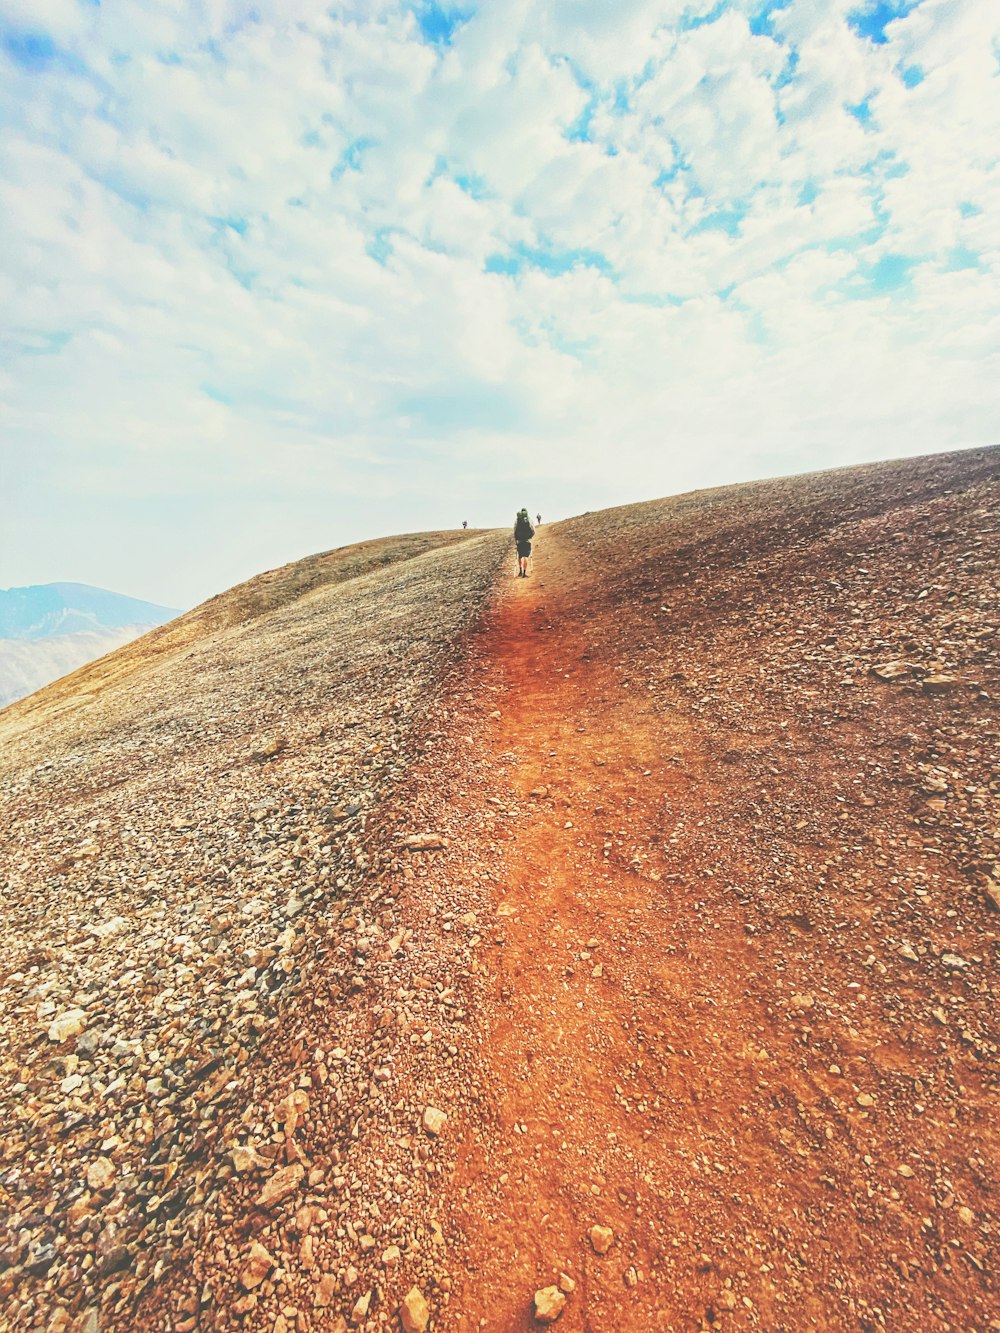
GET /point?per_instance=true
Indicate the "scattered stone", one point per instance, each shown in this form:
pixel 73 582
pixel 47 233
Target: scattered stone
pixel 602 1238
pixel 69 1024
pixel 897 670
pixel 802 1001
pixel 247 1159
pixel 566 1283
pixel 953 960
pixel 258 1265
pixel 909 953
pixel 549 1305
pixel 424 842
pixel 40 1258
pixel 325 1291
pixel 414 1313
pixel 939 684
pixel 284 1182
pixel 361 1307
pixel 101 1174
pixel 434 1120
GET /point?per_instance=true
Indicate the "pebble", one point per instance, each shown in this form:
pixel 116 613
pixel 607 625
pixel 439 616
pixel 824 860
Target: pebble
pixel 259 1263
pixel 284 1182
pixel 549 1305
pixel 601 1238
pixel 101 1174
pixel 67 1025
pixel 434 1120
pixel 414 1312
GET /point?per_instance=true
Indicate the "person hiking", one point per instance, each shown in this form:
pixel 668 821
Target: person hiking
pixel 465 522
pixel 538 519
pixel 523 533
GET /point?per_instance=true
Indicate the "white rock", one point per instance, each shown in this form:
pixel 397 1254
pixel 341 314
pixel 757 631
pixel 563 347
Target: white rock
pixel 602 1238
pixel 549 1305
pixel 68 1024
pixel 434 1120
pixel 414 1313
pixel 100 1174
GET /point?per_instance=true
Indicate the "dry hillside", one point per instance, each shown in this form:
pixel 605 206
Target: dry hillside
pixel 625 935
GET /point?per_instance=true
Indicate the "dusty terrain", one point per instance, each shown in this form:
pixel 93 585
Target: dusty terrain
pixel 700 950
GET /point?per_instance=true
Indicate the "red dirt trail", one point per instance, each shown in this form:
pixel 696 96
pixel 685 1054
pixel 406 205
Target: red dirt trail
pixel 661 1062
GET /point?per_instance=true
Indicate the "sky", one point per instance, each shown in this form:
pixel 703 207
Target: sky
pixel 279 276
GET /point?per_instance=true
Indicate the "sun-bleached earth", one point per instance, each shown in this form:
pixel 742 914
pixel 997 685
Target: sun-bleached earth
pixel 397 941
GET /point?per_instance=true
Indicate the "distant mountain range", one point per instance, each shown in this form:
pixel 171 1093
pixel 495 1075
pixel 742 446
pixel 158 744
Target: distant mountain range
pixel 51 629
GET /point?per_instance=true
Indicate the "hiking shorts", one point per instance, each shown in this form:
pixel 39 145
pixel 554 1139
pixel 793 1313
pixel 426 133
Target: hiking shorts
pixel 523 549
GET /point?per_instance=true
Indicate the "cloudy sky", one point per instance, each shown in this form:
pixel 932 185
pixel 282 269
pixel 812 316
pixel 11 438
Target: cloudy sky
pixel 281 275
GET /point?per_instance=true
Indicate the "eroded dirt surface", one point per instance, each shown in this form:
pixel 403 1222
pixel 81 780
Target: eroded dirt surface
pixel 704 1034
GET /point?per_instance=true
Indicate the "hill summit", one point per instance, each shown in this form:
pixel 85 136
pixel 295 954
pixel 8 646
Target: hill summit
pixel 394 943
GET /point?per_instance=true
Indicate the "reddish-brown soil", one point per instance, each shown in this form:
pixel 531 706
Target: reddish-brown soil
pixel 703 1035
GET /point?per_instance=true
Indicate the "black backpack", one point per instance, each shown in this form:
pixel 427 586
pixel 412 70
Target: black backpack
pixel 523 531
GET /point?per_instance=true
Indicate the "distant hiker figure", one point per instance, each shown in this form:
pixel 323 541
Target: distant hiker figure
pixel 465 522
pixel 523 533
pixel 538 519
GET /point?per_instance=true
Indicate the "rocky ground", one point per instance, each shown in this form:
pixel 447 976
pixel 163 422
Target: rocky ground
pixel 172 836
pixel 615 946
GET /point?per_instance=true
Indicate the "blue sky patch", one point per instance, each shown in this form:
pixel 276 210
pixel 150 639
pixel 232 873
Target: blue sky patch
pixel 579 131
pixel 46 344
pixel 438 23
pixel 472 405
pixel 913 76
pixel 692 21
pixel 659 300
pixel 788 71
pixel 723 219
pixel 861 111
pixel 871 19
pixel 380 246
pixel 352 156
pixel 761 23
pixel 31 50
pixel 889 273
pixel 551 262
pixel 237 224
pixel 472 185
pixel 959 257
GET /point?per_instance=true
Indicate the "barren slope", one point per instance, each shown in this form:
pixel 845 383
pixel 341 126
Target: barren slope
pixel 167 826
pixel 706 954
pixel 237 606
